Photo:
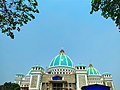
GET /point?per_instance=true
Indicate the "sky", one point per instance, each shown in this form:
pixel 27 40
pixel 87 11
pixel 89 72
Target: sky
pixel 62 24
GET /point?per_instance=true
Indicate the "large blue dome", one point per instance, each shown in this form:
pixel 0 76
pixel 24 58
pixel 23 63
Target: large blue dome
pixel 61 60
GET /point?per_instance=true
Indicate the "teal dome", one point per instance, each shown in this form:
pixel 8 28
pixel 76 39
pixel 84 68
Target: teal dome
pixel 92 71
pixel 37 65
pixel 106 73
pixel 61 60
pixel 29 73
pixel 80 64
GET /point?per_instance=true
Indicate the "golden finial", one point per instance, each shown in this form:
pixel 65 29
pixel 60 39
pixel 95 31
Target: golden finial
pixel 61 51
pixel 90 65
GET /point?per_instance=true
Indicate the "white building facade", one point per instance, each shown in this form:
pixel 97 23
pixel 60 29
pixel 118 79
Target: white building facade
pixel 62 74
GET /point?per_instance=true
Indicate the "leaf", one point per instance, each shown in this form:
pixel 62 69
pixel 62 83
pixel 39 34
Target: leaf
pixel 37 11
pixel 18 29
pixel 11 35
pixel 33 17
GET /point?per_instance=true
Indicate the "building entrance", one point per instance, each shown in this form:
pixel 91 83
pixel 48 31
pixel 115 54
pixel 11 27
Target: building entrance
pixel 57 86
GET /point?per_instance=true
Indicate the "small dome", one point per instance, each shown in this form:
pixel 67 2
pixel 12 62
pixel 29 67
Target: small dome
pixel 61 60
pixel 106 73
pixel 92 71
pixel 29 73
pixel 80 64
pixel 39 66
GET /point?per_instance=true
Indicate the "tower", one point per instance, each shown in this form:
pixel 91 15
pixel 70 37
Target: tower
pixel 93 76
pixel 107 80
pixel 18 78
pixel 36 78
pixel 81 76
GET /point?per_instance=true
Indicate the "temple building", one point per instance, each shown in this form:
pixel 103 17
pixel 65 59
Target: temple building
pixel 62 74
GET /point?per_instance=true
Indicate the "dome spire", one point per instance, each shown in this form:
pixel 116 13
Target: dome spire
pixel 61 51
pixel 90 65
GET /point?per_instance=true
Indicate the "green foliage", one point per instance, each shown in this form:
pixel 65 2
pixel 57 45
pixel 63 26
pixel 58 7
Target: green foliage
pixel 16 13
pixel 10 86
pixel 109 8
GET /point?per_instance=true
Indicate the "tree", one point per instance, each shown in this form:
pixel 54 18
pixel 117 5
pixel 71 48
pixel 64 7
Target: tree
pixel 16 13
pixel 109 9
pixel 9 86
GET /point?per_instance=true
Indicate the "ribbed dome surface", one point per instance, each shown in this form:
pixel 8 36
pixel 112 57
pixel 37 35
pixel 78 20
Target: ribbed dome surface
pixel 61 60
pixel 92 71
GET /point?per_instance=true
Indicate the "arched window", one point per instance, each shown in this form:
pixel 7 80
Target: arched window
pixel 80 67
pixel 57 78
pixel 83 67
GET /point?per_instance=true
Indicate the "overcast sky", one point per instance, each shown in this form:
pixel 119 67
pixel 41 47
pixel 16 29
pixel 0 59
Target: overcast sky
pixel 62 24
